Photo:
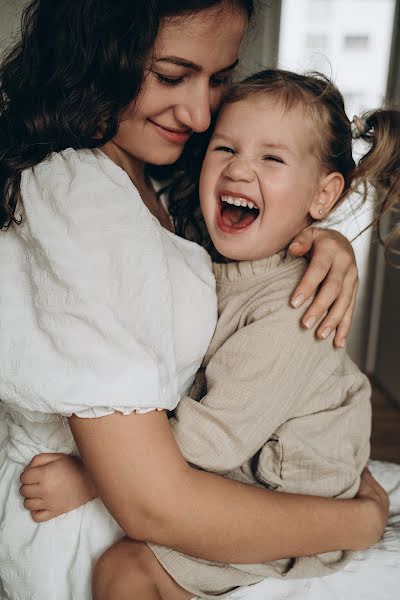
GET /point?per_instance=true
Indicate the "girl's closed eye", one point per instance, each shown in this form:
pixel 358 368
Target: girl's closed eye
pixel 224 149
pixel 273 158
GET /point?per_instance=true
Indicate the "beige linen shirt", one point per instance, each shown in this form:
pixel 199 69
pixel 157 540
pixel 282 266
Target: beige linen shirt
pixel 272 406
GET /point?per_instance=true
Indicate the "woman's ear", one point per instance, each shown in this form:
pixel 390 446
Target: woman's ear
pixel 330 189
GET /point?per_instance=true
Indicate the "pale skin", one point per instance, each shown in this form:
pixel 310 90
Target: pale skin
pixel 196 512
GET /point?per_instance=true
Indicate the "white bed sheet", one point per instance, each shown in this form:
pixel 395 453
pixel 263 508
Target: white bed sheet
pixel 371 575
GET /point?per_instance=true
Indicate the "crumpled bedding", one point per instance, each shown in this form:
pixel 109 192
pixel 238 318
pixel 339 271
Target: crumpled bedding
pixel 371 575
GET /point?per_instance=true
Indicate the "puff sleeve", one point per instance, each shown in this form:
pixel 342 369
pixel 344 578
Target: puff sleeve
pixel 86 314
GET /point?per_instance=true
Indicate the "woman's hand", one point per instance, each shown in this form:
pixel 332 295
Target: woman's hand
pixel 376 505
pixel 334 266
pixel 53 484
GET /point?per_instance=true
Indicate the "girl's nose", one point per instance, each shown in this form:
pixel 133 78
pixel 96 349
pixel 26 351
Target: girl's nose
pixel 239 169
pixel 195 111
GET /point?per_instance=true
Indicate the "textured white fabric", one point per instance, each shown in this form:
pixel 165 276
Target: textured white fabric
pixel 87 296
pixel 101 309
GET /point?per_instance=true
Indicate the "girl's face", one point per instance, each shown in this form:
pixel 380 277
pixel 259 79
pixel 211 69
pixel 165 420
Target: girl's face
pixel 193 61
pixel 259 178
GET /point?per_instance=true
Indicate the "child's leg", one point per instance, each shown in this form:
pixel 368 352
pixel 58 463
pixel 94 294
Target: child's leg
pixel 129 571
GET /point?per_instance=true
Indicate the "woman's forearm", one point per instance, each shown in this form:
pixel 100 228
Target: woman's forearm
pixel 219 519
pixel 155 496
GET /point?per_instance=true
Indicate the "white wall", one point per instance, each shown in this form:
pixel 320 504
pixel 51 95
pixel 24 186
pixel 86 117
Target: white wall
pixel 356 72
pixel 10 16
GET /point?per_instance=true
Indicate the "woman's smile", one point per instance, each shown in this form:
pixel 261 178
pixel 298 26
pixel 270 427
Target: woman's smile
pixel 176 136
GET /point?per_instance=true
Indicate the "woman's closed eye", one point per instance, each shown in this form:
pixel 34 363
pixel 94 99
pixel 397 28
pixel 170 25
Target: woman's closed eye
pixel 167 80
pixel 215 81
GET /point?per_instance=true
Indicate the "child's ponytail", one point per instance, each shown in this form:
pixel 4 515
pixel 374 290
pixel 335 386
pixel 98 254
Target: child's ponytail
pixel 380 166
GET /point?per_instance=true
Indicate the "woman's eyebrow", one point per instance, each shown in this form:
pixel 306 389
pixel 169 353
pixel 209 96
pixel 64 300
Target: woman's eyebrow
pixel 182 62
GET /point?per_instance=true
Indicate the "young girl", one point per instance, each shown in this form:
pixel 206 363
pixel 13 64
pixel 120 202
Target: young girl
pixel 272 406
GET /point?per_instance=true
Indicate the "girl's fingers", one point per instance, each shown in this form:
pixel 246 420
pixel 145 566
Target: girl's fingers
pixel 30 491
pixel 40 516
pixel 33 504
pixel 33 473
pixel 30 476
pixel 43 459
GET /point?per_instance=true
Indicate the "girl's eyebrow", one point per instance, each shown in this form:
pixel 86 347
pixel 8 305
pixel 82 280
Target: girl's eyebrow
pixel 276 146
pixel 265 146
pixel 222 135
pixel 182 62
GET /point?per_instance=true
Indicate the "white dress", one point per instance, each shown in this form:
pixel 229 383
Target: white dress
pixel 101 309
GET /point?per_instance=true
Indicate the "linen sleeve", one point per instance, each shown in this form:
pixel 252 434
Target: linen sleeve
pixel 255 381
pixel 90 295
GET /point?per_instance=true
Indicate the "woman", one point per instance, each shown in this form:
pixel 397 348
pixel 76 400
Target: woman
pixel 89 332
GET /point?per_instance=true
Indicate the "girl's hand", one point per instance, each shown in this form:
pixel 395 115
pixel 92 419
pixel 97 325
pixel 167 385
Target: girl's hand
pixel 376 506
pixel 53 484
pixel 333 264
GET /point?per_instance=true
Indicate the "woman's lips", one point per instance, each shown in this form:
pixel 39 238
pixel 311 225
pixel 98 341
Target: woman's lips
pixel 175 136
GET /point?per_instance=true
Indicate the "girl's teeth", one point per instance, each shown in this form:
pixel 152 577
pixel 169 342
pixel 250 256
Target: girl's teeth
pixel 238 201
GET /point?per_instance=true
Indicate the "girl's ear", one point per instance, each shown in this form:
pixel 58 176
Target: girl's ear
pixel 330 189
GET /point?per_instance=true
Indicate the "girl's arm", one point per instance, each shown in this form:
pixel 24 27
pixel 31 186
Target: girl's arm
pixel 333 266
pixel 156 496
pixel 54 484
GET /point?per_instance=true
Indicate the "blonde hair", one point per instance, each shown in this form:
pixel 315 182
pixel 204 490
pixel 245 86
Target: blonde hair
pixel 323 103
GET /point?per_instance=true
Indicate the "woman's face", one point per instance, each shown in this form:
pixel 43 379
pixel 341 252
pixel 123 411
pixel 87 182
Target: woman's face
pixel 192 62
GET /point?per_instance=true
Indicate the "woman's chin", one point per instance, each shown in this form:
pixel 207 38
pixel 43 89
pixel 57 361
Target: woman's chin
pixel 168 157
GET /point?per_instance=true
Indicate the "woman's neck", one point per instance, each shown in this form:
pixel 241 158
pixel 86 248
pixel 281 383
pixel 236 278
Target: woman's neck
pixel 135 170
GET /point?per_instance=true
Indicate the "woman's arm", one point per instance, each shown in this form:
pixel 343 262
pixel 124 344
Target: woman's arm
pixel 156 496
pixel 332 265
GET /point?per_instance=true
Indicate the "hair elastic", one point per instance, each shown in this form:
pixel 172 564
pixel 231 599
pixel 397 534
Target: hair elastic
pixel 358 127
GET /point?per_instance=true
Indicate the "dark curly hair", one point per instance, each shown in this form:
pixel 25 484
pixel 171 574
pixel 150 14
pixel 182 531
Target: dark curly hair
pixel 77 65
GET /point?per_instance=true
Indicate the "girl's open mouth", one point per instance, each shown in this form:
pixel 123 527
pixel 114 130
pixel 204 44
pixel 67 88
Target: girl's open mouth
pixel 236 213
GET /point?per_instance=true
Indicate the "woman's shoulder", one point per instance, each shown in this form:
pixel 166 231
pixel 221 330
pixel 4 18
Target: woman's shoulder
pixel 82 186
pixel 76 167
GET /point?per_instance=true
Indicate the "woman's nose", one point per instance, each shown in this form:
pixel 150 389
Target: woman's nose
pixel 195 111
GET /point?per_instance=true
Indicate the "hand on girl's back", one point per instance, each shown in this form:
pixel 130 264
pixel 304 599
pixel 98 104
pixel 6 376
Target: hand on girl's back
pixel 375 501
pixel 54 484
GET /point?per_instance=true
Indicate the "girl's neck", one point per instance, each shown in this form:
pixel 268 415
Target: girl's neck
pixel 218 258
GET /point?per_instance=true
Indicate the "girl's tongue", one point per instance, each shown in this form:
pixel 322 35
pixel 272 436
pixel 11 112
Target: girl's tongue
pixel 238 217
